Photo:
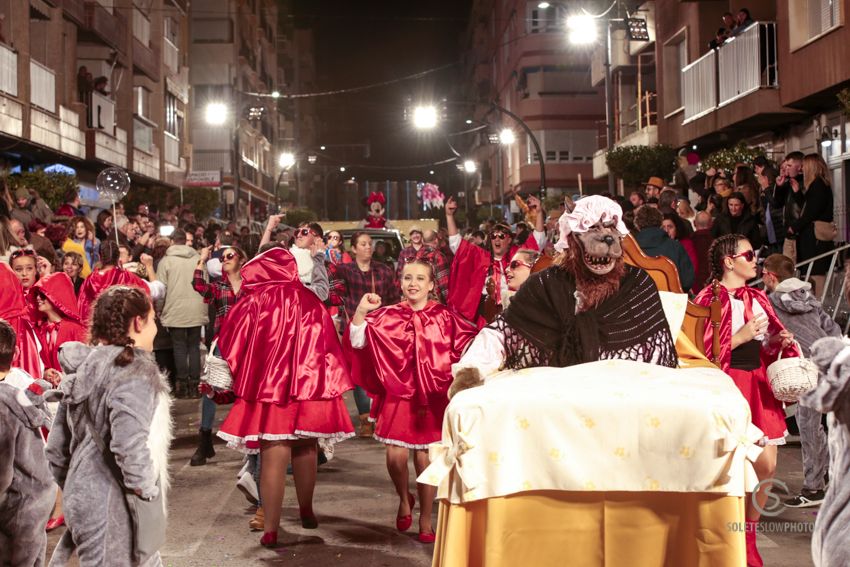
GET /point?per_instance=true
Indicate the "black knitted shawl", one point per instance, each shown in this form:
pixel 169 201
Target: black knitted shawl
pixel 628 325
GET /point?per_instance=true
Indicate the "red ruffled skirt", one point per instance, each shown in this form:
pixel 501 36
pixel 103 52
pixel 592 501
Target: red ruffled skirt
pixel 767 412
pixel 405 423
pixel 249 422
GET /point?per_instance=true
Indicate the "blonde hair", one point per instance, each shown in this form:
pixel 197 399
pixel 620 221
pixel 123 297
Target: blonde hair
pixel 813 168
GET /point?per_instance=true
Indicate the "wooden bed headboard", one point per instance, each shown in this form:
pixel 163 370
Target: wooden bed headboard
pixel 666 277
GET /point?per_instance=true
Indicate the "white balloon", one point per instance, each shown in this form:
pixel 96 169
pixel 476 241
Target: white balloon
pixel 113 183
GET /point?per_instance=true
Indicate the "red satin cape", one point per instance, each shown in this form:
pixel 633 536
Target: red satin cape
pixel 468 274
pixel 59 290
pixel 279 340
pixel 99 281
pixel 409 354
pixel 13 310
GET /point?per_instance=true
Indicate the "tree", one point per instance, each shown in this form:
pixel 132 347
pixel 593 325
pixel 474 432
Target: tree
pixel 728 158
pixel 636 164
pixel 52 187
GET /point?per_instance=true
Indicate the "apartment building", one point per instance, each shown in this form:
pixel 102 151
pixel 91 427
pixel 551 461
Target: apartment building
pixel 773 85
pixel 95 83
pixel 517 54
pixel 234 75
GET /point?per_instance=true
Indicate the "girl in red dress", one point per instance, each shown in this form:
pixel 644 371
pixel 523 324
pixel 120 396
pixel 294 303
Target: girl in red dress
pixel 59 320
pixel 289 375
pixel 750 339
pixel 403 358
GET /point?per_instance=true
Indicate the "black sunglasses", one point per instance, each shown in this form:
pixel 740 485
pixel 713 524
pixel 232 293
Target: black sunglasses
pixel 498 236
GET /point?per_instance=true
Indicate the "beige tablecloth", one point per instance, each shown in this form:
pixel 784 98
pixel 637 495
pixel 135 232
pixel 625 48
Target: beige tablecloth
pixel 605 426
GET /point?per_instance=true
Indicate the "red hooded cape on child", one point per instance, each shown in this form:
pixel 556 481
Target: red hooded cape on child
pixel 99 281
pixel 59 290
pixel 13 309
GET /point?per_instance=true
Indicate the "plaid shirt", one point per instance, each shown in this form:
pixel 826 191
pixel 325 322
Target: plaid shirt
pixel 219 292
pixel 442 267
pixel 349 284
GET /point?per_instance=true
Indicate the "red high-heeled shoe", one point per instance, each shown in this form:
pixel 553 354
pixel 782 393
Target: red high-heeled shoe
pixel 54 523
pixel 403 523
pixel 269 539
pixel 427 537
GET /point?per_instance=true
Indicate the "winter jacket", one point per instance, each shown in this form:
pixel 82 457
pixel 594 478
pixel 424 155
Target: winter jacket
pixel 129 407
pixel 27 491
pixel 183 308
pixel 746 224
pixel 802 314
pixel 85 248
pixel 655 242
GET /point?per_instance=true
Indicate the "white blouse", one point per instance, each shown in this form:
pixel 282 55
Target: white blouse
pixel 738 314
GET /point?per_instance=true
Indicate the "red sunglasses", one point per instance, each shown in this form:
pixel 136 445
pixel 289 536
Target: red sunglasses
pixel 749 255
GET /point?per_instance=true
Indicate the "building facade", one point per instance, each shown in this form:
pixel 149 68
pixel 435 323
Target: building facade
pixel 96 83
pixel 517 55
pixel 234 75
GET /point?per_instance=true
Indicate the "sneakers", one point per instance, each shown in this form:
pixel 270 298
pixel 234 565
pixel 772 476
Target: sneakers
pixel 806 499
pixel 248 487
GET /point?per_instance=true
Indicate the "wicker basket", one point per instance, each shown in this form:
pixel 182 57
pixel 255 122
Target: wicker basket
pixel 216 371
pixel 790 378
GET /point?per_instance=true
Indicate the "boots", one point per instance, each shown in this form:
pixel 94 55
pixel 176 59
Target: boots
pixel 205 448
pixel 753 557
pixel 367 428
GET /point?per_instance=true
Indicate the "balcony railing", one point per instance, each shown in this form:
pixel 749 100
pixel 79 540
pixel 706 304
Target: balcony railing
pixel 8 71
pixel 699 86
pixel 109 26
pixel 101 113
pixel 42 86
pixel 747 62
pixel 142 136
pixel 170 56
pixel 75 11
pixel 743 65
pixel 172 149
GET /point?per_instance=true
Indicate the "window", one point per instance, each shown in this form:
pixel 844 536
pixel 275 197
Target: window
pixel 173 118
pixel 555 81
pixel 141 27
pixel 212 31
pixel 142 102
pixel 142 136
pixel 563 146
pixel 809 19
pixel 171 30
pixel 675 57
pixel 542 20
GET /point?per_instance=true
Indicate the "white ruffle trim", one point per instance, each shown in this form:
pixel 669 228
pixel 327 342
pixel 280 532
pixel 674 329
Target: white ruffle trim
pixel 765 441
pixel 398 443
pixel 239 443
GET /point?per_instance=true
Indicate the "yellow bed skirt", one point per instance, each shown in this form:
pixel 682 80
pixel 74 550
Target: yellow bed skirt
pixel 593 529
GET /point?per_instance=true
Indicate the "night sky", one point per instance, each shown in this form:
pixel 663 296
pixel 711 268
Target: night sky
pixel 368 41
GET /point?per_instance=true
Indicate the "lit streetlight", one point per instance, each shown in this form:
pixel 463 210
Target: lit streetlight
pixel 323 148
pixel 543 5
pixel 425 117
pixel 275 94
pixel 470 166
pixel 286 160
pixel 431 172
pixel 215 113
pixel 507 137
pixel 342 169
pixel 582 30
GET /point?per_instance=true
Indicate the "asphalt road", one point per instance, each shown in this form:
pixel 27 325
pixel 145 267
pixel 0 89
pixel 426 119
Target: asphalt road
pixel 356 506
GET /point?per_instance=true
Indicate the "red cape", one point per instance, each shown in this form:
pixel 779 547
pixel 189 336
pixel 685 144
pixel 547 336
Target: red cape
pixel 468 274
pixel 59 290
pixel 409 354
pixel 279 340
pixel 13 309
pixel 774 325
pixel 100 281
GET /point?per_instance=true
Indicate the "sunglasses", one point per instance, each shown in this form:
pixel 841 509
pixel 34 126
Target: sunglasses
pixel 749 256
pixel 22 252
pixel 498 236
pixel 517 263
pixel 229 256
pixel 303 232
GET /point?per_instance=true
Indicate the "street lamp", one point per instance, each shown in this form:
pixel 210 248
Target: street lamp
pixel 543 5
pixel 215 113
pixel 342 169
pixel 469 166
pixel 507 137
pixel 425 117
pixel 581 29
pixel 286 160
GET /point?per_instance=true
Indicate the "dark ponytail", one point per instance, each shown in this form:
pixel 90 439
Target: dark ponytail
pixel 112 316
pixel 721 248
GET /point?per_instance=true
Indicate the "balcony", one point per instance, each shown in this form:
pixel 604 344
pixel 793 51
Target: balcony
pixel 172 149
pixel 42 86
pixel 74 10
pixel 146 60
pixel 101 113
pixel 110 27
pixel 745 64
pixel 8 70
pixel 170 56
pixel 106 147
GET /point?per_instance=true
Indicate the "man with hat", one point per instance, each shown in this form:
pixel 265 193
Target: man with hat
pixel 653 187
pixel 409 252
pixel 22 211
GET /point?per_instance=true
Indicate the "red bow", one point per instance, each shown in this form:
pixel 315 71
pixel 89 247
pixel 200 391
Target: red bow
pixel 376 197
pixel 745 295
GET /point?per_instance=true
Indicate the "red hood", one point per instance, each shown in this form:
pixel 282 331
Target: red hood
pixel 275 266
pixel 12 302
pixel 60 291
